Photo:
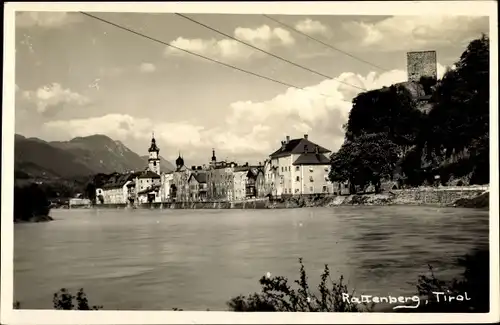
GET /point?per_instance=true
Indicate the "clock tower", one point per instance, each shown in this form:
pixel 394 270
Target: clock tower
pixel 154 157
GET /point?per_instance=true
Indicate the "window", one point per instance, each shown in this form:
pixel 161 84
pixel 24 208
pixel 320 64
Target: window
pixel 325 189
pixel 326 178
pixel 154 163
pixel 282 169
pixel 311 179
pixel 296 190
pixel 326 169
pixel 311 169
pixel 311 189
pixel 297 178
pixel 297 168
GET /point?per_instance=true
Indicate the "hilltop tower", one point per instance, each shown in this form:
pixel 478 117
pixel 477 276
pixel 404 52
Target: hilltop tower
pixel 421 64
pixel 154 157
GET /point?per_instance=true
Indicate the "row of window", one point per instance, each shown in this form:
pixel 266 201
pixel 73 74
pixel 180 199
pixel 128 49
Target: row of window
pixel 311 190
pixel 297 168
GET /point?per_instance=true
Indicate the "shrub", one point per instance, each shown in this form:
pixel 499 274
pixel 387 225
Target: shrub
pixel 474 282
pixel 64 300
pixel 278 295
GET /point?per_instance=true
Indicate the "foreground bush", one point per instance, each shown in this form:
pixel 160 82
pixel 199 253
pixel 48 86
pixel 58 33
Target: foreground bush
pixel 475 281
pixel 278 295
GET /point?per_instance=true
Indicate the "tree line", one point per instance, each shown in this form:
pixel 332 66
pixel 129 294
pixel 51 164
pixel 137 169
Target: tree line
pixel 390 137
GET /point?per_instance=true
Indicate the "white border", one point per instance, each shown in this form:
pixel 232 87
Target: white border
pixel 10 316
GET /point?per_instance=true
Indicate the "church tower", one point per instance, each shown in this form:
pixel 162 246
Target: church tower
pixel 154 157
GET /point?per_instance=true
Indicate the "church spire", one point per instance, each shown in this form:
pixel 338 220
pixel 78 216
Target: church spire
pixel 213 155
pixel 153 147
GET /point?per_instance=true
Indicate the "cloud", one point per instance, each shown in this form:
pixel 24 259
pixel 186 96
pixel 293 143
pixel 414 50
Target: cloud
pixel 415 32
pixel 53 97
pixel 192 140
pixel 263 37
pixel 147 67
pixel 309 26
pixel 46 19
pixel 250 130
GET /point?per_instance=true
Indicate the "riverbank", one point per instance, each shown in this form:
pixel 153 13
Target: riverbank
pixel 34 219
pixel 479 202
pixel 467 197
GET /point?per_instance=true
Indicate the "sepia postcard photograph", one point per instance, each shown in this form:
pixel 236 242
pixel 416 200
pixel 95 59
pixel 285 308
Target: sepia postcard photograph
pixel 252 162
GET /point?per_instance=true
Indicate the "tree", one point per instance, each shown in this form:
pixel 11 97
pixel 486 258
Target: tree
pixel 365 160
pixel 389 110
pixel 459 119
pixel 30 201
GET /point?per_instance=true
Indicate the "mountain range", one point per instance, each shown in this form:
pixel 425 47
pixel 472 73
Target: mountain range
pixel 77 158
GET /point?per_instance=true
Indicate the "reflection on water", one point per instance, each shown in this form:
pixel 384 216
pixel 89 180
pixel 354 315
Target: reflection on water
pixel 198 259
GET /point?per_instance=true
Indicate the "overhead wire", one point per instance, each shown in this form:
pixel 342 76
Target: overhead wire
pixel 196 54
pixel 324 43
pixel 267 52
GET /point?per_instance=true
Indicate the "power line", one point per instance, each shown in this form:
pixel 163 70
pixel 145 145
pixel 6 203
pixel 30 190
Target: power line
pixel 266 52
pixel 323 43
pixel 195 54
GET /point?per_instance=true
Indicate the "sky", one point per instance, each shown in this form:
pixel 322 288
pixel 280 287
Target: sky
pixel 77 76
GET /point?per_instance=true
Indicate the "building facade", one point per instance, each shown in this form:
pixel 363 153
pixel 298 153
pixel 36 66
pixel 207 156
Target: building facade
pixel 167 180
pixel 299 166
pixel 179 190
pixel 198 189
pixel 260 184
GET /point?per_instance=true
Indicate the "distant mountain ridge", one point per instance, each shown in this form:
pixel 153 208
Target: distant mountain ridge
pixel 79 157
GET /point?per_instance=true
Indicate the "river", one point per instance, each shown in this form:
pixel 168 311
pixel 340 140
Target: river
pixel 199 259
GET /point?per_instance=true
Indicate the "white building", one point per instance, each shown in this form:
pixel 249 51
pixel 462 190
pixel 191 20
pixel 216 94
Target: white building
pixel 167 180
pixel 116 189
pixel 299 166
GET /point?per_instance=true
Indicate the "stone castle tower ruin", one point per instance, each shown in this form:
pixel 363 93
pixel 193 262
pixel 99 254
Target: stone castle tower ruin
pixel 421 64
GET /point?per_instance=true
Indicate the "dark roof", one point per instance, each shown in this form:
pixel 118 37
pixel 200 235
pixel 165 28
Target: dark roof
pixel 149 174
pixel 149 189
pixel 253 171
pixel 311 159
pixel 296 146
pixel 199 177
pixel 118 180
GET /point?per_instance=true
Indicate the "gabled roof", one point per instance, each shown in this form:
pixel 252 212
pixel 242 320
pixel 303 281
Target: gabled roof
pixel 296 146
pixel 201 178
pixel 149 174
pixel 311 159
pixel 118 180
pixel 149 189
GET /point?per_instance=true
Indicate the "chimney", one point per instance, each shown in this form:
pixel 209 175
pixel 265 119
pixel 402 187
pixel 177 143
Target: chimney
pixel 260 163
pixel 287 139
pixel 193 167
pixel 306 136
pixel 283 144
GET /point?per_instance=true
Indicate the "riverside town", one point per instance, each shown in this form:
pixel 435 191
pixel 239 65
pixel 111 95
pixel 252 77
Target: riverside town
pixel 242 162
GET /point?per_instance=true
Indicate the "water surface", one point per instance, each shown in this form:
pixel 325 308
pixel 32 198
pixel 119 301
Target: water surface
pixel 198 259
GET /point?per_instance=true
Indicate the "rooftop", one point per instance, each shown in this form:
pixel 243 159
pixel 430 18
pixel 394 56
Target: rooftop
pixel 297 146
pixel 311 159
pixel 148 174
pixel 199 177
